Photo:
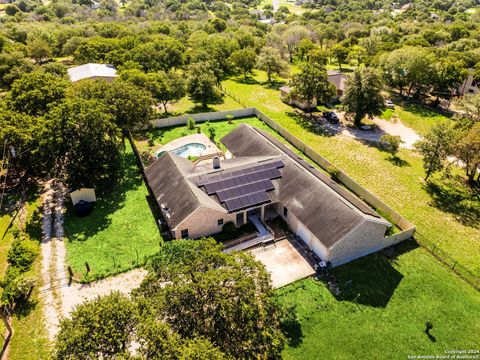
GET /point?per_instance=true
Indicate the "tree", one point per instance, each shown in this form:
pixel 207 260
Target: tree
pixel 304 47
pixel 292 37
pixel 391 143
pixel 166 87
pixel 36 92
pixel 225 298
pixel 312 83
pixel 363 94
pixel 467 150
pixel 244 60
pixel 271 62
pixel 39 50
pixel 97 329
pixel 84 142
pixel 409 67
pixel 435 147
pixel 165 53
pixel 13 66
pixel 130 105
pixel 357 54
pixel 340 53
pixel 201 84
pixel 448 75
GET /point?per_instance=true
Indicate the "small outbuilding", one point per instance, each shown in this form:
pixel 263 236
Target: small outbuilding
pixel 92 71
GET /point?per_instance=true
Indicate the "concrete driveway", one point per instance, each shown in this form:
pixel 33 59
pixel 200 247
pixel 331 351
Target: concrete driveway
pixel 286 262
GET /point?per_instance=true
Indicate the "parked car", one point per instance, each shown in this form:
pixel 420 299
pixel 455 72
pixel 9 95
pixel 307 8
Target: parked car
pixel 389 104
pixel 331 117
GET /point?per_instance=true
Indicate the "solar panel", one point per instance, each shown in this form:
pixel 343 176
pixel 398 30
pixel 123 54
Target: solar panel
pixel 247 201
pixel 240 189
pixel 233 174
pixel 243 190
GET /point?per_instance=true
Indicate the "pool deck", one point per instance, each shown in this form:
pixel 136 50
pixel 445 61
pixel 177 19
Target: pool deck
pixel 194 138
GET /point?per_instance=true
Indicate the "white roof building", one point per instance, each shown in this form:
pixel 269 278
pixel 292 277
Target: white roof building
pixel 92 71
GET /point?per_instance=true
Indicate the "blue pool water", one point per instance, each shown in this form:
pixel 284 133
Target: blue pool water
pixel 192 149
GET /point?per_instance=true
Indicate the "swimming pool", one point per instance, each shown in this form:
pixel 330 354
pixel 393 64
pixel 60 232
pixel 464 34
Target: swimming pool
pixel 191 149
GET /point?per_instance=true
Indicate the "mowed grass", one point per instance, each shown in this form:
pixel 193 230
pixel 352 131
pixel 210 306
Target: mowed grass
pixel 382 310
pixel 415 116
pixel 446 217
pixel 186 106
pixel 119 234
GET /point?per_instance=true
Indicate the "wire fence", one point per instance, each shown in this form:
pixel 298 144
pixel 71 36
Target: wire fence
pixel 447 260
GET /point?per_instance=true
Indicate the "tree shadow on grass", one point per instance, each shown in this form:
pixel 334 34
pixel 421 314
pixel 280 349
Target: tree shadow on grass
pixel 24 307
pixel 248 81
pixel 397 161
pixel 291 327
pixel 308 122
pixel 371 280
pixel 457 201
pixel 108 202
pixel 274 84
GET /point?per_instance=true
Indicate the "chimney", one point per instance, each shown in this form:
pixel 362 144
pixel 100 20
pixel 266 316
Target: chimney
pixel 216 162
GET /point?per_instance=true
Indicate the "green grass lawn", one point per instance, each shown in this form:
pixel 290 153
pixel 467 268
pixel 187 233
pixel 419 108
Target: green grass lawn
pixel 415 116
pixel 186 106
pixel 445 216
pixel 30 339
pixel 119 234
pixel 382 310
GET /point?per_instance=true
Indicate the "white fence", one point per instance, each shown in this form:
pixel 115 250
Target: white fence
pixel 202 117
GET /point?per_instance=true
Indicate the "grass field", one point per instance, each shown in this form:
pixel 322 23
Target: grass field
pixel 185 106
pixel 382 310
pixel 415 116
pixel 446 216
pixel 119 234
pixel 29 340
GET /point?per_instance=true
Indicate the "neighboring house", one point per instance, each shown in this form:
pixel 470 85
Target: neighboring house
pixel 265 179
pixel 469 86
pixel 92 71
pixel 288 97
pixel 337 78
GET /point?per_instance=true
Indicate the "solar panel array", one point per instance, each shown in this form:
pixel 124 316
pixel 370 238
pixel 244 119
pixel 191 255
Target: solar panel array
pixel 240 189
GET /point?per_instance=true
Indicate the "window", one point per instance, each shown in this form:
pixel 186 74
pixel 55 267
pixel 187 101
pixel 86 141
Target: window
pixel 173 234
pixel 185 234
pixel 220 222
pixel 285 211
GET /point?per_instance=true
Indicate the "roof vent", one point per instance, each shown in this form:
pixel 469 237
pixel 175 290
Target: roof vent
pixel 216 162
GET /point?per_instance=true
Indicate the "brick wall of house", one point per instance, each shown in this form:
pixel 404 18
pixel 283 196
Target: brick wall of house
pixel 203 222
pixel 364 240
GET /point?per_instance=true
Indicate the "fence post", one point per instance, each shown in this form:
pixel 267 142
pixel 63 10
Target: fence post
pixel 87 266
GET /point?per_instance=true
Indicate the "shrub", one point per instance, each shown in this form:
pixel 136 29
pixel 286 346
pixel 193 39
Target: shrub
pixel 229 118
pixel 391 143
pixel 229 229
pixel 211 133
pixel 22 254
pixel 191 123
pixel 16 286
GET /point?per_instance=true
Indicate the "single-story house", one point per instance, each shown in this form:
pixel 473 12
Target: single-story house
pixel 288 97
pixel 264 178
pixel 470 85
pixel 337 78
pixel 92 71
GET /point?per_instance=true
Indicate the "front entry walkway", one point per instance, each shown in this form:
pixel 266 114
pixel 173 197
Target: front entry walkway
pixel 285 260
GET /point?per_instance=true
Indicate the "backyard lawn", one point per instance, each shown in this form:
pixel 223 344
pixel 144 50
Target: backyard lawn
pixel 382 310
pixel 119 234
pixel 446 217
